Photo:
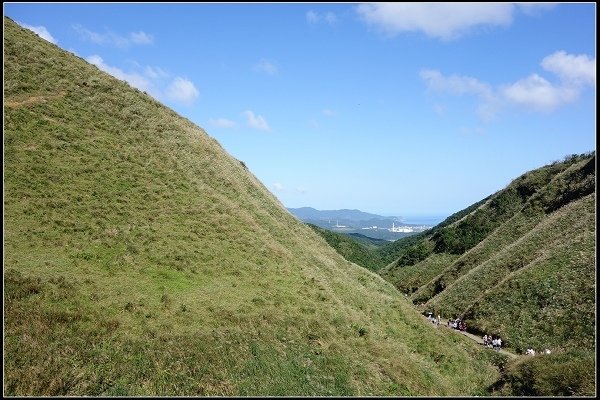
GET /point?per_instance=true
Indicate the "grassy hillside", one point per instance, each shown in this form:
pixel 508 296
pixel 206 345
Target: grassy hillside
pixel 520 264
pixel 141 259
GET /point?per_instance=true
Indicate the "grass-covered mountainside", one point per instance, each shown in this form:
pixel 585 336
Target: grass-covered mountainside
pixel 519 264
pixel 141 259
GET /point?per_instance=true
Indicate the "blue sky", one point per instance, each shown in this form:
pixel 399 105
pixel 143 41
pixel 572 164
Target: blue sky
pixel 404 109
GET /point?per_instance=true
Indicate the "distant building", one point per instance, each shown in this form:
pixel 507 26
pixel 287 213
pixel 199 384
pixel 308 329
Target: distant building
pixel 400 229
pixel 337 225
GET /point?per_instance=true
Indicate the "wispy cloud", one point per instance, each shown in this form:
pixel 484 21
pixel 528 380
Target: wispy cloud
pixel 313 17
pixel 41 31
pixel 456 84
pixel 460 85
pixel 151 80
pixel 329 113
pixel 534 9
pixel 141 38
pixel 135 79
pixel 182 90
pixel 266 66
pixel 573 69
pixel 155 72
pixel 534 92
pixel 222 123
pixel 256 121
pixel 444 21
pixel 114 39
pixel 279 187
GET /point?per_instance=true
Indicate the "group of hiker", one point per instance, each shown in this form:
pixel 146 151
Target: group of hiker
pixel 488 340
pixel 531 352
pixel 492 342
pixel 435 320
pixel 457 323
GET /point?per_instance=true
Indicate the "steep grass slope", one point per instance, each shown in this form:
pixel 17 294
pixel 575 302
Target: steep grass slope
pixel 520 265
pixel 142 259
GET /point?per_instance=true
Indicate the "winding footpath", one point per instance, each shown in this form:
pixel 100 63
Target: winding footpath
pixel 444 325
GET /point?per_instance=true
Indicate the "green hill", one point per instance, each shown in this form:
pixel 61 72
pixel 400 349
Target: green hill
pixel 519 264
pixel 351 248
pixel 141 259
pixel 369 242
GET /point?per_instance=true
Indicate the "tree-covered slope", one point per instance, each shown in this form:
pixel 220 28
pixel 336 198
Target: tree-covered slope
pixel 350 248
pixel 141 259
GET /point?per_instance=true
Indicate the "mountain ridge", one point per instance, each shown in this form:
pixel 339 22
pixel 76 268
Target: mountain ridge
pixel 517 264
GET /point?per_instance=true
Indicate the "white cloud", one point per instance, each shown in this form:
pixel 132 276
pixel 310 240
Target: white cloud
pixel 456 84
pixel 460 85
pixel 136 80
pixel 111 38
pixel 330 18
pixel 534 9
pixel 536 93
pixel 313 17
pixel 222 123
pixel 141 38
pixel 438 20
pixel 182 90
pixel 256 121
pixel 155 72
pixel 267 67
pixel 279 187
pixel 301 189
pixel 329 113
pixel 41 31
pixel 570 68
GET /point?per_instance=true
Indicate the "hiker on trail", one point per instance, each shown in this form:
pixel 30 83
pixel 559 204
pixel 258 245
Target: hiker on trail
pixel 485 339
pixel 547 351
pixel 499 341
pixel 530 352
pixel 439 319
